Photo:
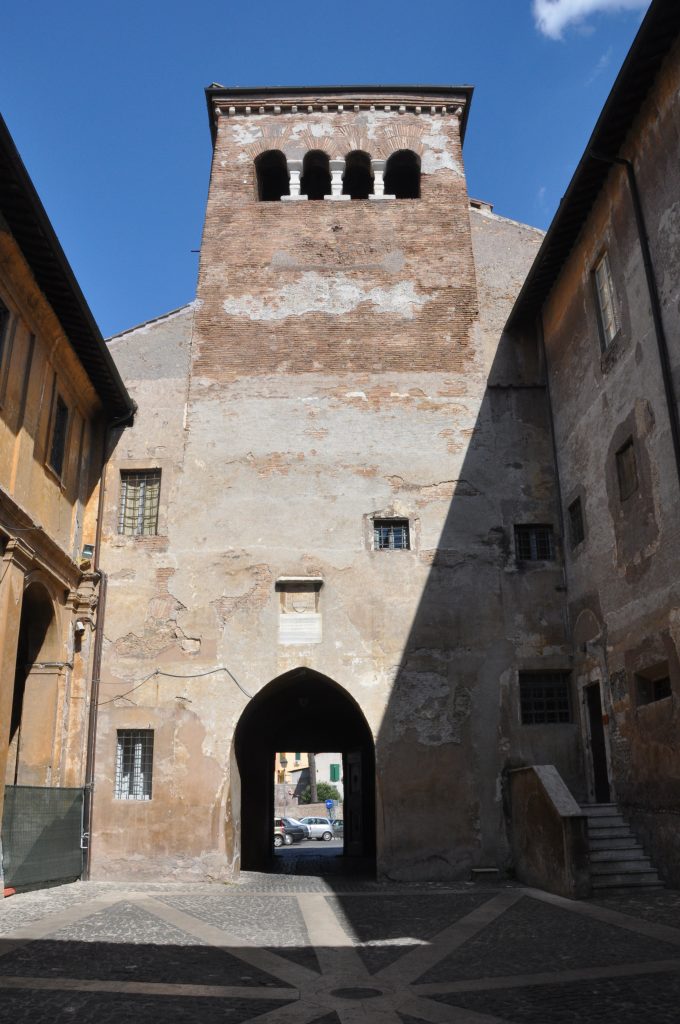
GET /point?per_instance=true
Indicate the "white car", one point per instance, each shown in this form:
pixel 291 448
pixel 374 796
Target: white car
pixel 319 828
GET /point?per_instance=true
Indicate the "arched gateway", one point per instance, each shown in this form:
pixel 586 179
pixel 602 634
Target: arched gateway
pixel 303 710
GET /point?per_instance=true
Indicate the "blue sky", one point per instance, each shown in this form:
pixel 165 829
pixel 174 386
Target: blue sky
pixel 105 102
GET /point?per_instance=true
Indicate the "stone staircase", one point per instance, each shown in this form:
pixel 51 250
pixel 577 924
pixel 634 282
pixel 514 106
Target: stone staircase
pixel 617 861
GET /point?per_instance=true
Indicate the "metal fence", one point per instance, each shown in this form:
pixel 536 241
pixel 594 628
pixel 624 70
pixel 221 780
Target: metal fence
pixel 41 835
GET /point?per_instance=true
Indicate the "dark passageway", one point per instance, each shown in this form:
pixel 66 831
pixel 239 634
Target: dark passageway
pixel 303 710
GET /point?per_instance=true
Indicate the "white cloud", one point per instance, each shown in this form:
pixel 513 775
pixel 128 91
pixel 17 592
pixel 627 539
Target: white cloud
pixel 602 65
pixel 553 16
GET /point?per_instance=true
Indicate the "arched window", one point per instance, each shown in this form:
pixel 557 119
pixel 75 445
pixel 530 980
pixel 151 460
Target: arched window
pixel 272 176
pixel 402 175
pixel 315 182
pixel 357 180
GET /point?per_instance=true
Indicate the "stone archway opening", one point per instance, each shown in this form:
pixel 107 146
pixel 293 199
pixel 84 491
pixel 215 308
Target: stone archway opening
pixel 303 710
pixel 34 704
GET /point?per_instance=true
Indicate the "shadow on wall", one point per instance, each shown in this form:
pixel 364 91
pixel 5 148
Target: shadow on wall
pixel 452 726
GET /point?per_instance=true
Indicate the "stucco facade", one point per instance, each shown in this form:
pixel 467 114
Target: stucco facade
pixel 343 365
pixel 58 391
pixel 611 401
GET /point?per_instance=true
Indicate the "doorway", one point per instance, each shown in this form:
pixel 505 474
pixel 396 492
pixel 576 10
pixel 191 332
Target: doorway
pixel 303 710
pixel 598 749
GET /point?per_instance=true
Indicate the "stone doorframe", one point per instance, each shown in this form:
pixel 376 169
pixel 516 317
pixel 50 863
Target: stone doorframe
pixel 584 678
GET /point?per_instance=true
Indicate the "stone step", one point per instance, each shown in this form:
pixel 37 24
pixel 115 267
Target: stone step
pixel 612 832
pixel 609 822
pixel 600 810
pixel 632 854
pixel 612 867
pixel 648 880
pixel 628 842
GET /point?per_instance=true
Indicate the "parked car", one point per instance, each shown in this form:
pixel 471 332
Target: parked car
pixel 295 821
pixel 286 832
pixel 319 828
pixel 338 827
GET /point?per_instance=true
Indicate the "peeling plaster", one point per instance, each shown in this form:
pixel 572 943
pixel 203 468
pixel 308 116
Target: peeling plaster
pixel 333 296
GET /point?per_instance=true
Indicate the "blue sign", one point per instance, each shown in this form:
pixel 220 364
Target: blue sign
pixel 329 805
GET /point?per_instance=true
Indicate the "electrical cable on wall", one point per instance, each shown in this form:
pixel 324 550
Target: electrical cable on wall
pixel 175 675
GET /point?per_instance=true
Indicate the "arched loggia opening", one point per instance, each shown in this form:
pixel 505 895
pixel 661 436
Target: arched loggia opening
pixel 315 182
pixel 272 176
pixel 303 710
pixel 357 180
pixel 402 175
pixel 34 703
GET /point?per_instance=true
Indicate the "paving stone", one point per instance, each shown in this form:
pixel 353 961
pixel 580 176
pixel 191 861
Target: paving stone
pixel 256 918
pixel 660 906
pixel 652 998
pixel 21 1007
pixel 533 936
pixel 378 920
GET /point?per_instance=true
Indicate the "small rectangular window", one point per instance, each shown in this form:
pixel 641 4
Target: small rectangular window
pixel 576 528
pixel 604 291
pixel 59 430
pixel 626 469
pixel 390 534
pixel 534 543
pixel 139 500
pixel 298 756
pixel 335 773
pixel 134 764
pixel 544 698
pixel 653 684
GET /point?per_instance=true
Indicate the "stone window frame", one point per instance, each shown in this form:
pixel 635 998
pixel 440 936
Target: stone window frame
pixel 58 433
pixel 136 784
pixel 528 533
pixel 395 514
pixel 606 305
pixel 576 526
pixel 147 507
pixel 113 487
pixel 533 688
pixel 627 473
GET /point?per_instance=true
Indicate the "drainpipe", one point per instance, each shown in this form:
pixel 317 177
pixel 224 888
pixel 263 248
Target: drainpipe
pixel 661 341
pixel 125 419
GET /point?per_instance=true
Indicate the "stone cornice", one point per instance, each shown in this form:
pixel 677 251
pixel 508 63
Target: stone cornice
pixel 433 101
pixel 24 533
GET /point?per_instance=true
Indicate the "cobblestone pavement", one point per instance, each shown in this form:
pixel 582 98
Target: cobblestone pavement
pixel 293 949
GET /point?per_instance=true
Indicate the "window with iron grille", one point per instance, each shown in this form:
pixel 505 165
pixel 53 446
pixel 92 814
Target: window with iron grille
pixel 626 470
pixel 534 543
pixel 59 429
pixel 139 498
pixel 134 764
pixel 604 291
pixel 390 534
pixel 544 698
pixel 576 528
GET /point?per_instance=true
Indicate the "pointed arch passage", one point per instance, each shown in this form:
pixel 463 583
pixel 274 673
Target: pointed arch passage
pixel 357 180
pixel 315 182
pixel 402 175
pixel 303 710
pixel 271 169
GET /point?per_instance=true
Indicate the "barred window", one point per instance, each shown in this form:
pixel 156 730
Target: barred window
pixel 534 543
pixel 544 698
pixel 576 528
pixel 139 498
pixel 390 534
pixel 134 763
pixel 604 290
pixel 626 470
pixel 59 428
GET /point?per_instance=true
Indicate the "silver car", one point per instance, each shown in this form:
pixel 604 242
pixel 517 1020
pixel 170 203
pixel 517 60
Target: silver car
pixel 319 828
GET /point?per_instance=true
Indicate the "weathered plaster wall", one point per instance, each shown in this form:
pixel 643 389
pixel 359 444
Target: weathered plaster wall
pixel 337 369
pixel 623 580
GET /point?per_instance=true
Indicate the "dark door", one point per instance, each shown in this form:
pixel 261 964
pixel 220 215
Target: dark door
pixel 597 745
pixel 353 806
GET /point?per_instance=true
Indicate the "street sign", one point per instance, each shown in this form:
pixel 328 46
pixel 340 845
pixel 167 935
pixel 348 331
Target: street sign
pixel 329 805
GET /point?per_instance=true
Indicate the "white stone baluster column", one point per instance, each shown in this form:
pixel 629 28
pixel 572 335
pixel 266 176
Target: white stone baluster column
pixel 378 168
pixel 337 171
pixel 294 170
